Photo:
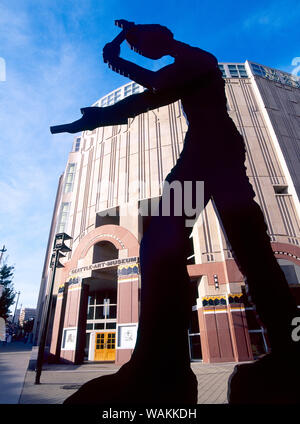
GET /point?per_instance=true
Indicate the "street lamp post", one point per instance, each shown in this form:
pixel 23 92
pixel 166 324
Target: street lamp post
pixel 3 250
pixel 13 321
pixel 59 246
pixel 1 255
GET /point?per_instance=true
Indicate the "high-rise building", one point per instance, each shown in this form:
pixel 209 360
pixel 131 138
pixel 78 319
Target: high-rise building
pixel 113 174
pixel 26 314
pixel 16 316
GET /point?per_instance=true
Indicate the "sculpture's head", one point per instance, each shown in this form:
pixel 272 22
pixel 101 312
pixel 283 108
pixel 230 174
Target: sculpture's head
pixel 152 41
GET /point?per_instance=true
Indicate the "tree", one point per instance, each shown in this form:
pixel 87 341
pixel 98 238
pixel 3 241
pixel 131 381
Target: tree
pixel 8 294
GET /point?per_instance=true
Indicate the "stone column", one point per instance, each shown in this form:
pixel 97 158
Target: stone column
pixel 73 338
pixel 58 323
pixel 223 329
pixel 215 332
pixel 127 311
pixel 239 328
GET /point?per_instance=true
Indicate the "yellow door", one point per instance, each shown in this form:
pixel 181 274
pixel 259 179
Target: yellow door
pixel 105 347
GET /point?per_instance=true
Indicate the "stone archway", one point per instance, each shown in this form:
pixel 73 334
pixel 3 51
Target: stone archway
pixel 117 235
pixel 286 251
pixel 70 314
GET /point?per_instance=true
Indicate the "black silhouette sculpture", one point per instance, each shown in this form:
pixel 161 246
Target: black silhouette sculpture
pixel 214 152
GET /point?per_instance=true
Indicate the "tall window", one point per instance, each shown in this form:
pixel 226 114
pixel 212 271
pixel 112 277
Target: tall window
pixel 117 95
pixel 104 102
pixel 77 145
pixel 221 67
pixel 127 90
pixel 237 71
pixel 242 71
pixel 63 218
pixel 102 310
pixel 110 99
pixel 70 176
pixel 135 88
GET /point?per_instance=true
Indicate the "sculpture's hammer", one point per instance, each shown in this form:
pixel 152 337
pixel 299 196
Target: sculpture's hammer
pixel 126 26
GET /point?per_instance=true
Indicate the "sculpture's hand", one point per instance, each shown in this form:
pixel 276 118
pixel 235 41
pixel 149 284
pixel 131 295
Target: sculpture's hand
pixel 90 120
pixel 111 51
pixel 126 25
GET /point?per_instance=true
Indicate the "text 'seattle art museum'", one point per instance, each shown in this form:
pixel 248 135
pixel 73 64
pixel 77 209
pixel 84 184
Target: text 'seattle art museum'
pixel 113 178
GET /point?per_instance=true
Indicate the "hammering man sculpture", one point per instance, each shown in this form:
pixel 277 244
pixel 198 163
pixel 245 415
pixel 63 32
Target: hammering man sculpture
pixel 214 152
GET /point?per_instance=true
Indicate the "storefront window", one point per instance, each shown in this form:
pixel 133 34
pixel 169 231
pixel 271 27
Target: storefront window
pixel 195 347
pixel 99 326
pixel 194 323
pixel 90 314
pixel 111 325
pixel 86 349
pixel 101 307
pixel 258 344
pixel 112 311
pixel 99 312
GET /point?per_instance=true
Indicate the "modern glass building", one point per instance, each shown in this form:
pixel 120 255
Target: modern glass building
pixel 112 173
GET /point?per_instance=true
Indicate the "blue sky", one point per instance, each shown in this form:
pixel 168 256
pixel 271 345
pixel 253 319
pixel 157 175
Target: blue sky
pixel 52 50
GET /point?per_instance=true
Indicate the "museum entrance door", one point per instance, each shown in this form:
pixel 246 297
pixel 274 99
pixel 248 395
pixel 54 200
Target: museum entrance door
pixel 105 346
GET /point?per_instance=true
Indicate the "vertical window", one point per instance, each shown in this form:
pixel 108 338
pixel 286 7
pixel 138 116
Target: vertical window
pixel 117 95
pixel 127 90
pixel 258 70
pixel 295 81
pixel 102 310
pixel 77 145
pixel 70 176
pixel 106 308
pixel 221 67
pixel 237 71
pixel 63 218
pixel 110 99
pixel 135 88
pixel 233 71
pixel 242 71
pixel 104 102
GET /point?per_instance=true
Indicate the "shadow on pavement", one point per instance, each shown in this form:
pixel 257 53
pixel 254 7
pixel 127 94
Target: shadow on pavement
pixel 16 346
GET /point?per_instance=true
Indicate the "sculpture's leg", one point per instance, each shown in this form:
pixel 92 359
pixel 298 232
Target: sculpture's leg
pixel 159 370
pixel 243 221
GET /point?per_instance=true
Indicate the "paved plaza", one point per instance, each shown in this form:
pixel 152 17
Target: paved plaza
pixel 60 381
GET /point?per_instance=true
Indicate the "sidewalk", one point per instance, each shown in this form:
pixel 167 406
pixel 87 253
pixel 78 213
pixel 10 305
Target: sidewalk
pixel 14 358
pixel 59 381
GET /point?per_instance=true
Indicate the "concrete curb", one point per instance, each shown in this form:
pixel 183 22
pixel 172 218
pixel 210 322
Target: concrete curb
pixel 33 358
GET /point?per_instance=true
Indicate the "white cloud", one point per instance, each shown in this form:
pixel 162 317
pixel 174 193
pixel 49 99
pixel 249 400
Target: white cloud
pixel 277 15
pixel 14 27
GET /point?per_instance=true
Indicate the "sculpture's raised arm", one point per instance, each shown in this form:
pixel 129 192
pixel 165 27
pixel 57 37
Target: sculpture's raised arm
pixel 117 114
pixel 164 86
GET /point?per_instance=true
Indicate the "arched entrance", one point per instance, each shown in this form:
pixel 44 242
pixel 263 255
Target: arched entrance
pixel 101 324
pixel 100 299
